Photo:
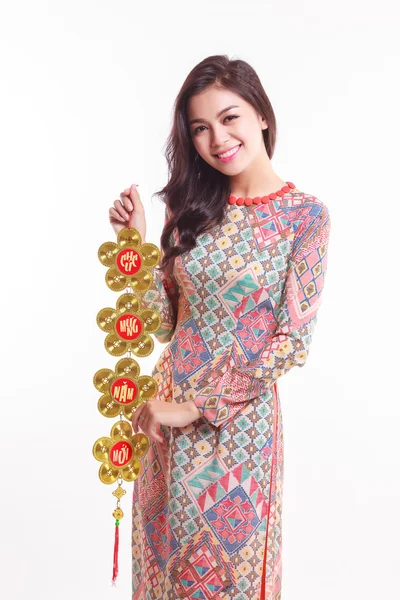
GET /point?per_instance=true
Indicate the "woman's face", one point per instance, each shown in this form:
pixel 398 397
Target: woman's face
pixel 214 132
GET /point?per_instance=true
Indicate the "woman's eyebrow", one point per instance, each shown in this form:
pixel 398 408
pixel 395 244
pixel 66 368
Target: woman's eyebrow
pixel 218 114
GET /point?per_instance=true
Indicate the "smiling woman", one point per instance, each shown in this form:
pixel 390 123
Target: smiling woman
pixel 244 260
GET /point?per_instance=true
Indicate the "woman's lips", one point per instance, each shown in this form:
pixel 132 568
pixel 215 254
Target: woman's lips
pixel 231 157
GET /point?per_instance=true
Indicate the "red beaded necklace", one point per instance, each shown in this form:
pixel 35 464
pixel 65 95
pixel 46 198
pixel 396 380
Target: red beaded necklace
pixel 262 199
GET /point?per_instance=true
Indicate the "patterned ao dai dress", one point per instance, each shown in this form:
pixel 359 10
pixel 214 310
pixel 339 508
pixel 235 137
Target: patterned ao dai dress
pixel 238 312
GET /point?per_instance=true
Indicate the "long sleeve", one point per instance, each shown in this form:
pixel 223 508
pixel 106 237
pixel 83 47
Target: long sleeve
pixel 289 343
pixel 163 296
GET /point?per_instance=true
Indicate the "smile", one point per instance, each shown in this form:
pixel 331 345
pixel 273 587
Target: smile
pixel 229 154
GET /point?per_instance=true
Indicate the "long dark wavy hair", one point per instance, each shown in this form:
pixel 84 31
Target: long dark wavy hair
pixel 196 193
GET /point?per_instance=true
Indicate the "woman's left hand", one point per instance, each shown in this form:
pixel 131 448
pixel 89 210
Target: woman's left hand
pixel 153 413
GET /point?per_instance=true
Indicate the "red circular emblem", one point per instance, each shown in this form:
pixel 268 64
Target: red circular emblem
pixel 128 261
pixel 120 454
pixel 128 326
pixel 124 391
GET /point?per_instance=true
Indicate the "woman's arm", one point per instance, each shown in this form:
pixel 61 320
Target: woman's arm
pixel 295 316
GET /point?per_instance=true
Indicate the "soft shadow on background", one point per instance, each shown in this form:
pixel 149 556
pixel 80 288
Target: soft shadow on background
pixel 86 106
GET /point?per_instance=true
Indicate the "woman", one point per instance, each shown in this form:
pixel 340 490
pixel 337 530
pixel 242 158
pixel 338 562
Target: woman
pixel 243 267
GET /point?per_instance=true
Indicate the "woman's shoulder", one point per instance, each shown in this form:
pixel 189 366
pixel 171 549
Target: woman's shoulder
pixel 310 219
pixel 297 197
pixel 303 206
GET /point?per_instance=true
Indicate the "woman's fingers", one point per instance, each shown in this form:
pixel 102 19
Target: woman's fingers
pixel 141 418
pixel 132 195
pixel 127 191
pixel 143 422
pixel 136 199
pixel 135 417
pixel 128 211
pixel 126 202
pixel 119 207
pixel 116 215
pixel 146 424
pixel 153 433
pixel 150 428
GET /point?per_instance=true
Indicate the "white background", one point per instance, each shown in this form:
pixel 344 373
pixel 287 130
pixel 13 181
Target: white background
pixel 86 106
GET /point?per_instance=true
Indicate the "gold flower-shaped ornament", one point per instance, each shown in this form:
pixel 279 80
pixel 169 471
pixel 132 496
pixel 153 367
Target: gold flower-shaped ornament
pixel 120 452
pixel 129 261
pixel 129 326
pixel 123 389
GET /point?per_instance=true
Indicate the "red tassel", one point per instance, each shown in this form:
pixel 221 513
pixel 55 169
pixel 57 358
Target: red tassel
pixel 116 544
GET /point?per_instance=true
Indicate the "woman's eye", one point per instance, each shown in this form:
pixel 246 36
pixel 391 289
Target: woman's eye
pixel 195 131
pixel 231 117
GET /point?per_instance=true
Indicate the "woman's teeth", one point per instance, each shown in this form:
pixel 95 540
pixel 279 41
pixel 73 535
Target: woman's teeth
pixel 230 153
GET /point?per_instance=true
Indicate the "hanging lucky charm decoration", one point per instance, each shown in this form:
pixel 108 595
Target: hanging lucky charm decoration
pixel 129 328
